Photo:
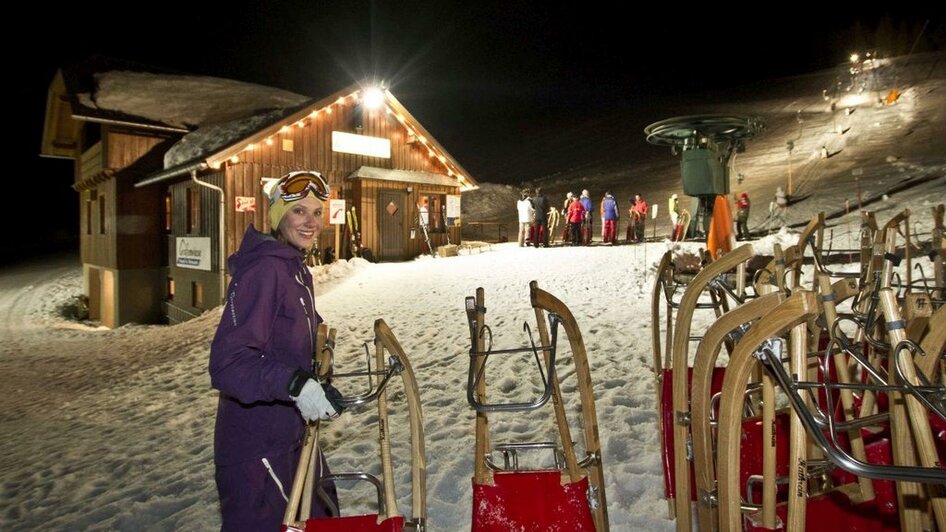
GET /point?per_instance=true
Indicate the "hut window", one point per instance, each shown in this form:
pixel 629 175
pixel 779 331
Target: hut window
pixel 101 214
pixel 434 205
pixel 170 289
pixel 88 215
pixel 197 295
pixel 167 211
pixel 193 210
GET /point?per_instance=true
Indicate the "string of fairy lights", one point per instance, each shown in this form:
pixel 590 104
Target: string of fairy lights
pixel 371 98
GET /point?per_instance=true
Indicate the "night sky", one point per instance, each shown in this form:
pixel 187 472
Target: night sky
pixel 470 71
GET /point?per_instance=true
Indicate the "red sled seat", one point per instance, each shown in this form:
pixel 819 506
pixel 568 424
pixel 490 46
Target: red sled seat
pixel 531 501
pixel 354 523
pixel 667 422
pixel 834 512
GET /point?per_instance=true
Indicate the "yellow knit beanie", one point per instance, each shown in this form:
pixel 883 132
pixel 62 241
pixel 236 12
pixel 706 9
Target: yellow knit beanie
pixel 291 188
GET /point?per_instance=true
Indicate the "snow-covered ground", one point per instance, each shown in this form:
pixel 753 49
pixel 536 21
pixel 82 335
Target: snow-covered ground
pixel 112 429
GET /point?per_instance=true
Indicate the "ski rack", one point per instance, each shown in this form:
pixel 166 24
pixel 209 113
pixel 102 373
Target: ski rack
pixel 575 487
pixel 424 224
pixel 388 518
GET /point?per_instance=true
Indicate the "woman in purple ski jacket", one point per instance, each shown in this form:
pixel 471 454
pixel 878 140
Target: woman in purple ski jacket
pixel 261 361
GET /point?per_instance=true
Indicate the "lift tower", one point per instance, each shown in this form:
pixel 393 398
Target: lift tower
pixel 706 144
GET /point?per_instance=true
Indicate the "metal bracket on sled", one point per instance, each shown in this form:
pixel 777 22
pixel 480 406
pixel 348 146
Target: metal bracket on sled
pixel 475 375
pixel 594 502
pixel 821 422
pixel 511 455
pixel 395 368
pixel 708 498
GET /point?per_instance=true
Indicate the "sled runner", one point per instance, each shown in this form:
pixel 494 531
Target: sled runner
pixel 568 496
pixel 390 361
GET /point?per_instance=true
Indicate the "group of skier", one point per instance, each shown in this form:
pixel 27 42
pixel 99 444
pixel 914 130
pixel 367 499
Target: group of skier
pixel 538 219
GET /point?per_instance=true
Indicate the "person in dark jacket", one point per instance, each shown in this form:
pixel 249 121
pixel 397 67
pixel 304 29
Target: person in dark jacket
pixel 541 206
pixel 261 361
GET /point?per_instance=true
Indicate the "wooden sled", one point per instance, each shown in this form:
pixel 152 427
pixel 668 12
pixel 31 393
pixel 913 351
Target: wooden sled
pixel 679 365
pixel 832 440
pixel 390 361
pixel 569 496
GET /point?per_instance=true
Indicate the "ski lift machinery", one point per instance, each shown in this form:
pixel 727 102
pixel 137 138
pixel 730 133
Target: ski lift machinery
pixel 706 144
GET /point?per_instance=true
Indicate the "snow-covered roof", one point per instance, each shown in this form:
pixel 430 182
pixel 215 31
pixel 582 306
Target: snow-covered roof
pixel 183 101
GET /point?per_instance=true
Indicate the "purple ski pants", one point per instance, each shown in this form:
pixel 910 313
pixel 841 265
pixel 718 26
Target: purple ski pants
pixel 250 499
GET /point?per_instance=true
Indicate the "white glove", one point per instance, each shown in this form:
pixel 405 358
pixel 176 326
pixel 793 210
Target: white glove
pixel 312 403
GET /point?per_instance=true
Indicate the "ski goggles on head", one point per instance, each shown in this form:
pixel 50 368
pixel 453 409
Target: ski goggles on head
pixel 297 185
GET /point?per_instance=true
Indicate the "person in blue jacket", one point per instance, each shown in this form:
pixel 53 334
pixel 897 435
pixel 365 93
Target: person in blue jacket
pixel 261 361
pixel 586 225
pixel 609 217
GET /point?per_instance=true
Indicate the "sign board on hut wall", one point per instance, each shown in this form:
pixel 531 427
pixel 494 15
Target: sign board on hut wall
pixel 193 253
pixel 245 204
pixel 361 145
pixel 453 209
pixel 336 212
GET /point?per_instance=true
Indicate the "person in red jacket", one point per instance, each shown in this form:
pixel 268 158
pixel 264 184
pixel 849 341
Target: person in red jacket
pixel 576 216
pixel 638 216
pixel 742 217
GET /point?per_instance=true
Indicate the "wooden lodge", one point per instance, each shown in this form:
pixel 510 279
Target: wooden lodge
pixel 156 195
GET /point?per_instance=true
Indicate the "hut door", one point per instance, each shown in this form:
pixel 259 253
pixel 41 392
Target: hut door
pixel 391 212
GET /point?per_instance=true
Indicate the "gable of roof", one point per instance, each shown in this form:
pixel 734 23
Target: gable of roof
pixel 213 147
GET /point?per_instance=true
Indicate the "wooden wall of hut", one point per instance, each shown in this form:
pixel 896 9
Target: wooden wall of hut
pixel 96 224
pixel 204 224
pixel 309 147
pixel 123 234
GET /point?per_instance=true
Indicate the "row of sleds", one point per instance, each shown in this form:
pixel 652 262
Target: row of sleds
pixel 562 489
pixel 829 412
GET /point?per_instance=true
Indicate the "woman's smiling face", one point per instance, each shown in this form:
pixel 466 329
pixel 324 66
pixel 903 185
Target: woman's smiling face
pixel 302 222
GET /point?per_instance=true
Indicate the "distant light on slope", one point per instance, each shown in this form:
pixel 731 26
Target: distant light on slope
pixel 854 100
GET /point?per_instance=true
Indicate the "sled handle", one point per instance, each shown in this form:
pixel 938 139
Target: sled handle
pixel 512 450
pixel 395 367
pixel 358 475
pixel 477 370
